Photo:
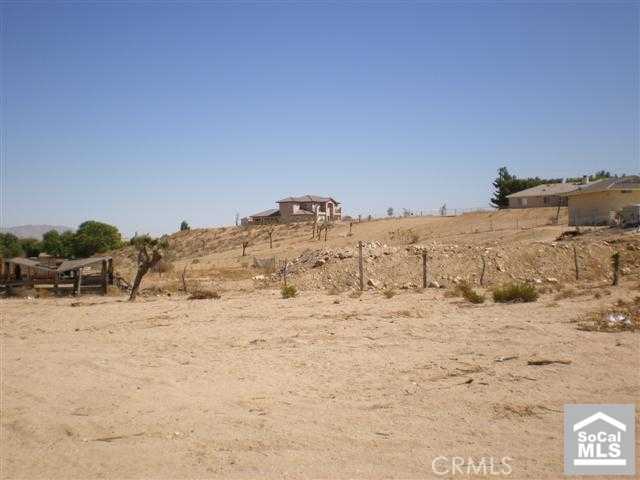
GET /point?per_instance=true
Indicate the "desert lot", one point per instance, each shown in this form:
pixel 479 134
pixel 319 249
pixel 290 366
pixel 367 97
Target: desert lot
pixel 318 386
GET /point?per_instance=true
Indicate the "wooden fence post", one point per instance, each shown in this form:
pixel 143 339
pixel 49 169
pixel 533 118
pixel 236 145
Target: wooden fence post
pixel 105 276
pixel 284 272
pixel 616 267
pixel 575 261
pixel 78 282
pixel 484 266
pixel 360 265
pixel 424 269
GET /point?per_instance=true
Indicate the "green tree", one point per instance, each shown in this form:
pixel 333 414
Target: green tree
pixel 10 246
pixel 95 237
pixel 502 184
pixel 184 226
pixel 31 246
pixel 390 212
pixel 52 243
pixel 68 244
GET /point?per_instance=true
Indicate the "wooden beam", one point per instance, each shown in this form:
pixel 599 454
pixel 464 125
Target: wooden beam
pixel 105 276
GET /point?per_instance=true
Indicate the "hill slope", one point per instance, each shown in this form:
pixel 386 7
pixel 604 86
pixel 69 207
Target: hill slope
pixel 515 244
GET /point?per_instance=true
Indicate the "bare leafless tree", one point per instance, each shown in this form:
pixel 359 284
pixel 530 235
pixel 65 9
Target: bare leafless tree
pixel 245 244
pixel 270 231
pixel 184 273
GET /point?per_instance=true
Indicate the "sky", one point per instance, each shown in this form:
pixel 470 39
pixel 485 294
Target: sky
pixel 142 114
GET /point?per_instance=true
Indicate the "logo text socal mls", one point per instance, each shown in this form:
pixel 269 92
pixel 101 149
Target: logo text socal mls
pixel 599 439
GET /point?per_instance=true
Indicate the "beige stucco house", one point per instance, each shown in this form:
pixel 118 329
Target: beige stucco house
pixel 546 195
pixel 298 209
pixel 598 202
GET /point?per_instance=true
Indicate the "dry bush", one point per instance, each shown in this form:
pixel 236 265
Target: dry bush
pixel 389 292
pixel 465 290
pixel 289 291
pixel 515 292
pixel 204 295
pixel 405 235
pixel 470 294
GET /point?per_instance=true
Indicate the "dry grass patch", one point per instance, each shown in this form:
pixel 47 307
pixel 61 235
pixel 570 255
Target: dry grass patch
pixel 515 292
pixel 566 292
pixel 469 294
pixel 288 291
pixel 204 295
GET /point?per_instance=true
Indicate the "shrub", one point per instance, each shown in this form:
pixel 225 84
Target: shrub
pixel 204 295
pixel 289 291
pixel 515 292
pixel 389 292
pixel 470 294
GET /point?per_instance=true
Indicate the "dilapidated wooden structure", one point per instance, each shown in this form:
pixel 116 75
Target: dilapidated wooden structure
pixel 79 276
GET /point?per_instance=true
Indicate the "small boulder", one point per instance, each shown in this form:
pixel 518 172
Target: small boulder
pixel 319 262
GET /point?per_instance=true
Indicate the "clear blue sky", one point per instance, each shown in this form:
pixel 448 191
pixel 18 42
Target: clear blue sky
pixel 142 114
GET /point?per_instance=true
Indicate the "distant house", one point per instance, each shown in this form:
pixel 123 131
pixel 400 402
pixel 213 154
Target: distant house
pixel 262 218
pixel 545 195
pixel 298 209
pixel 596 203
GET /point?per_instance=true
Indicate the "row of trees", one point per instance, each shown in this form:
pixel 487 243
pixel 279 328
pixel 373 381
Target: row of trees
pixel 505 184
pixel 90 238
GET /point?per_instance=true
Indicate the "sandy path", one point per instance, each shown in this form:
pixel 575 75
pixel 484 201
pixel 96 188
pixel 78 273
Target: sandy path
pixel 256 386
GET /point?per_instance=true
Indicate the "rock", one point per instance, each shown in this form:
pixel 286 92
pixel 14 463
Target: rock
pixel 408 286
pixel 373 283
pixel 319 262
pixel 433 284
pixel 537 281
pixel 551 280
pixel 259 277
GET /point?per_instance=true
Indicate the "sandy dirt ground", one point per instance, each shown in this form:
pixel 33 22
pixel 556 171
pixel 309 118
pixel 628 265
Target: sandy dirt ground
pixel 319 386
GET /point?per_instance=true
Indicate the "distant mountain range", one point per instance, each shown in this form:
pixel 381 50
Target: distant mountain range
pixel 33 231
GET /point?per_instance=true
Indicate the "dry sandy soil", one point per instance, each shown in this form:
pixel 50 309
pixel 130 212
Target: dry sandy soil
pixel 318 386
